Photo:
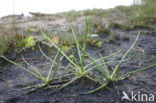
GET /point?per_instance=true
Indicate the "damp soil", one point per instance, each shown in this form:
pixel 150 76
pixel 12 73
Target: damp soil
pixel 13 79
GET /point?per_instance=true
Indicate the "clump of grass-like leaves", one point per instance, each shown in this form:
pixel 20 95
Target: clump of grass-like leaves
pixel 81 70
pixel 110 78
pixel 39 73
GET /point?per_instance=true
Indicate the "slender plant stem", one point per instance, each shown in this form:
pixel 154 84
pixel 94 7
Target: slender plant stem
pixel 116 71
pixel 100 58
pixel 85 46
pixel 132 72
pixel 22 68
pixel 77 43
pixel 97 89
pixel 59 49
pixel 50 70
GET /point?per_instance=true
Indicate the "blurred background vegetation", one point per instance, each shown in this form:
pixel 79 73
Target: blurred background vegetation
pixel 143 14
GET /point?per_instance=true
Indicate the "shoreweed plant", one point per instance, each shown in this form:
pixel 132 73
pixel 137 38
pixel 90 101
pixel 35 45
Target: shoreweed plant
pixel 80 70
pixel 110 78
pixel 39 73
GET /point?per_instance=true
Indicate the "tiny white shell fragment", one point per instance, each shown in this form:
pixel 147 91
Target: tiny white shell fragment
pixel 94 35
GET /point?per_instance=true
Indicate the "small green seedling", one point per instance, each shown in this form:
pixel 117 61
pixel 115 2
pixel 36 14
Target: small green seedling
pixel 30 42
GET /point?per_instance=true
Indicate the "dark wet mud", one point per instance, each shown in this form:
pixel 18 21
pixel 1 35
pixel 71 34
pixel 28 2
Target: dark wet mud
pixel 13 79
